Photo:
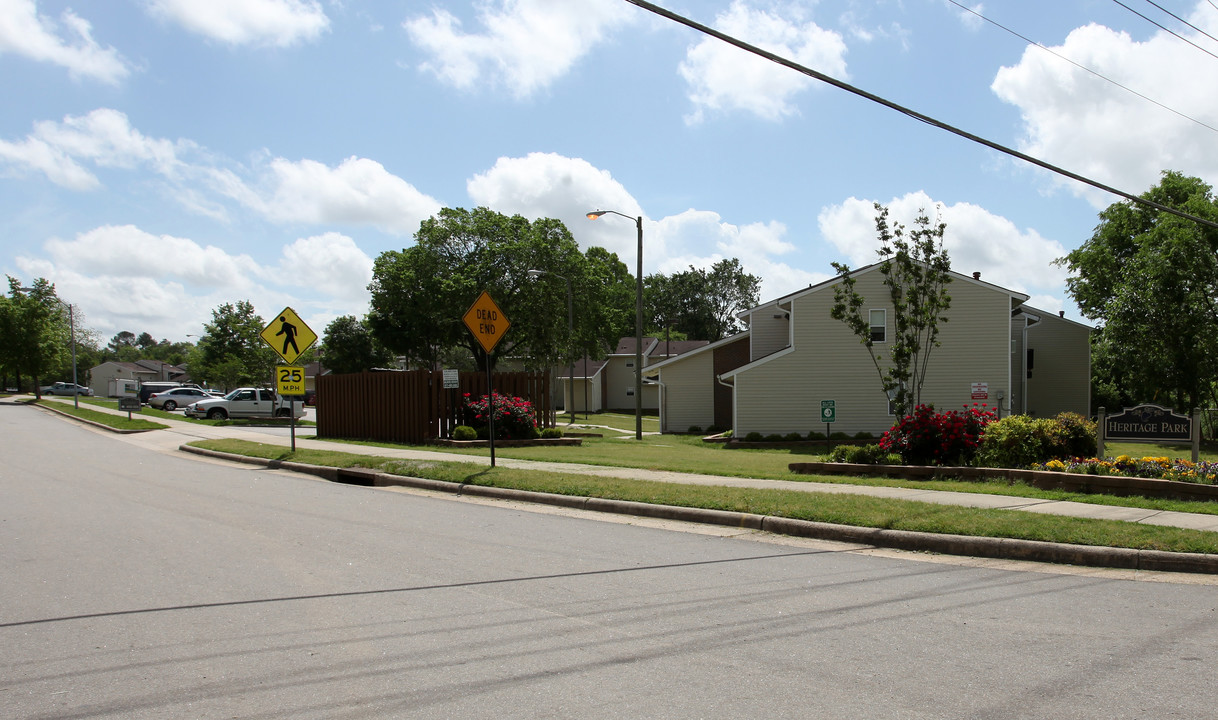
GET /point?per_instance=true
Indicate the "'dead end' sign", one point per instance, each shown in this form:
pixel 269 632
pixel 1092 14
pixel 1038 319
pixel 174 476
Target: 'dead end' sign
pixel 1148 422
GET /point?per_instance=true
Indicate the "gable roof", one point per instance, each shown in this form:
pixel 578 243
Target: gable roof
pixel 975 279
pixel 705 346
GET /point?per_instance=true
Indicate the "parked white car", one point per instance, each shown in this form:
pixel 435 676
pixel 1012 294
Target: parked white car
pixel 175 398
pixel 246 403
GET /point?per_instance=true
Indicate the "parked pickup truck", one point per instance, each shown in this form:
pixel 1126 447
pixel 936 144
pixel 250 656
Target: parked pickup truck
pixel 245 403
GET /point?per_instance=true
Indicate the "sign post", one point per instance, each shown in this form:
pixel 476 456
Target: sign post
pixel 488 325
pixel 130 404
pixel 289 337
pixel 828 413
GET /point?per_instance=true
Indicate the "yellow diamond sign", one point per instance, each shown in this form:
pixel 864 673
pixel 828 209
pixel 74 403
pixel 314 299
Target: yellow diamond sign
pixel 486 322
pixel 288 335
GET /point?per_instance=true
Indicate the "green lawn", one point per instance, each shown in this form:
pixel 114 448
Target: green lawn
pixel 595 422
pixel 856 510
pixel 151 412
pixel 689 454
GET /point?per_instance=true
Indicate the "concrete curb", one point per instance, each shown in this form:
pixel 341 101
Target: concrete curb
pixel 995 548
pixel 95 424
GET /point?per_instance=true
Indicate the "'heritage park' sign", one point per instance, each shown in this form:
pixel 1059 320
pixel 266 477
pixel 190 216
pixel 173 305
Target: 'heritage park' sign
pixel 1149 424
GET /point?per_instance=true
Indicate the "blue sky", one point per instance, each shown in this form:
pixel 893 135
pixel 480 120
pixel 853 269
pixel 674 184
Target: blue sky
pixel 161 157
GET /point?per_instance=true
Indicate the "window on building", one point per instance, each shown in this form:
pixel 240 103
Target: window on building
pixel 879 325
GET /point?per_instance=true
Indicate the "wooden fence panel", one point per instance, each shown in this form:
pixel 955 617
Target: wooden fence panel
pixel 413 406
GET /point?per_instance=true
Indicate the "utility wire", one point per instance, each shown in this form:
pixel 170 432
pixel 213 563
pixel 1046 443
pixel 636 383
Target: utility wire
pixel 662 12
pixel 1173 32
pixel 1082 67
pixel 1169 12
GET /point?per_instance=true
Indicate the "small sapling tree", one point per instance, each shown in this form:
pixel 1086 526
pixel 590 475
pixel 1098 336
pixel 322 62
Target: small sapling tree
pixel 916 271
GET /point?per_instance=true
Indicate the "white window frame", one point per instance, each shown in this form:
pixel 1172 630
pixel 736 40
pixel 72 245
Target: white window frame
pixel 883 327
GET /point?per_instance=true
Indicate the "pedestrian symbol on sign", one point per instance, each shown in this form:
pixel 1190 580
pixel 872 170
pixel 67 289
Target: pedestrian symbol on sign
pixel 288 331
pixel 288 335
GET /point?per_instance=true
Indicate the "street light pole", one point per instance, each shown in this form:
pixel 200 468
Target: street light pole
pixel 638 322
pixel 570 338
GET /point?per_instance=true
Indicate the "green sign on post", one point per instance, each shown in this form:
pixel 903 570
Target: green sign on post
pixel 828 410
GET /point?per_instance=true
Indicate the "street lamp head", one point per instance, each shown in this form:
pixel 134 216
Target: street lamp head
pixel 596 213
pixel 535 273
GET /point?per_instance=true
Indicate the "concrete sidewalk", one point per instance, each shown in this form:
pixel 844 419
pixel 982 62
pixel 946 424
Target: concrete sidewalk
pixel 181 432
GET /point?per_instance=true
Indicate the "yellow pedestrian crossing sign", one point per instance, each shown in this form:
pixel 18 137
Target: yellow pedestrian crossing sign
pixel 288 335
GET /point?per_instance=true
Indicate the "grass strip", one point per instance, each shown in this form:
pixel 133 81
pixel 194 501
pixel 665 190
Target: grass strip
pixel 118 422
pixel 855 510
pixel 677 453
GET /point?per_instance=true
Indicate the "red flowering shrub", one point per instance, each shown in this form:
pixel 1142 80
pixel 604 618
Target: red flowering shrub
pixel 514 417
pixel 930 438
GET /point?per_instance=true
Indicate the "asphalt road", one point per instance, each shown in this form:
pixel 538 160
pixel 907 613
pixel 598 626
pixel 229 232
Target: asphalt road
pixel 141 584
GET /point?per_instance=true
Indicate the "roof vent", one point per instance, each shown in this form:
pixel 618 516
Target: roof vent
pixel 976 276
pixel 1061 313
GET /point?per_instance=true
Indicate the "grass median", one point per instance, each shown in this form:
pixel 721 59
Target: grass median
pixel 118 422
pixel 856 510
pixel 688 454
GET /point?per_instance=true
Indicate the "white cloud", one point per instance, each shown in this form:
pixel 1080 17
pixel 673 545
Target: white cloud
pixel 103 138
pixel 524 44
pixel 125 251
pixel 122 279
pixel 24 32
pixel 972 17
pixel 700 238
pixel 247 22
pixel 330 263
pixel 358 191
pixel 976 240
pixel 1084 124
pixel 723 78
pixel 550 185
pixel 120 275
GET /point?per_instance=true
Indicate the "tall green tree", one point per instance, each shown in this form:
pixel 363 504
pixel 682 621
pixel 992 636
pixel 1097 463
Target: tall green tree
pixel 1150 279
pixel 36 331
pixel 701 304
pixel 349 347
pixel 420 294
pixel 916 270
pixel 231 353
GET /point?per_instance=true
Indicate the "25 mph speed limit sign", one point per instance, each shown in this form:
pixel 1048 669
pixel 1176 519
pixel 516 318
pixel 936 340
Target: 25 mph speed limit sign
pixel 290 380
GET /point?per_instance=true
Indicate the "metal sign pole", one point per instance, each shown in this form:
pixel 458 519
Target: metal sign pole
pixel 490 402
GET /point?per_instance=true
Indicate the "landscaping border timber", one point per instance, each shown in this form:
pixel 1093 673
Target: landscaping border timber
pixel 1043 479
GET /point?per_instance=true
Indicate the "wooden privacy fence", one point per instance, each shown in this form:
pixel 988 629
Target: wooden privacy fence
pixel 414 406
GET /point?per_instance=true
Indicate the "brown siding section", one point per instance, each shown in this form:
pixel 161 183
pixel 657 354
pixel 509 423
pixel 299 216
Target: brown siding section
pixel 727 357
pixel 414 406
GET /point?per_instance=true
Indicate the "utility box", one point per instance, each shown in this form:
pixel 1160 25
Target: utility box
pixel 123 387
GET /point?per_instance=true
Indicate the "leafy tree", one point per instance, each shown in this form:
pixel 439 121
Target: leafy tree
pixel 604 304
pixel 1150 279
pixel 349 347
pixel 36 332
pixel 122 347
pixel 916 271
pixel 701 304
pixel 420 294
pixel 231 353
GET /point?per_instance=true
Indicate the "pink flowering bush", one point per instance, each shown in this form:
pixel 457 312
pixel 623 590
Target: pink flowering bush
pixel 514 417
pixel 926 437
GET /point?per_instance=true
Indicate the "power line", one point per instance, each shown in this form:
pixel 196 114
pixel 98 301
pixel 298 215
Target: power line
pixel 1164 29
pixel 1082 67
pixel 1169 12
pixel 651 7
